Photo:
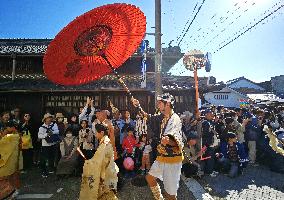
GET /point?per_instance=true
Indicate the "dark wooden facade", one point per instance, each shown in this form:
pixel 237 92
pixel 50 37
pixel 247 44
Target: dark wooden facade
pixel 32 92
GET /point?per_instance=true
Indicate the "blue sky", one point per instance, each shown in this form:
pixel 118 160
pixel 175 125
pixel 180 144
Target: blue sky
pixel 257 55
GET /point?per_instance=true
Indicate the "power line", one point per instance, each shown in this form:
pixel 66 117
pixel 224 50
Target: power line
pixel 220 20
pixel 183 30
pixel 182 71
pixel 191 22
pixel 249 28
pixel 232 22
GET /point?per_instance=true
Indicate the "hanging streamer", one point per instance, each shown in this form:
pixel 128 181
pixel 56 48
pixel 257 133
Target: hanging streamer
pixel 143 50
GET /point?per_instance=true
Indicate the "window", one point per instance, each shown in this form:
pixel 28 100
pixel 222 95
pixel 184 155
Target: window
pixel 68 101
pixel 221 96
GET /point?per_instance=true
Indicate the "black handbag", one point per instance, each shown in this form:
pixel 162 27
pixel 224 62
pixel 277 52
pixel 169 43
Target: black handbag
pixel 52 138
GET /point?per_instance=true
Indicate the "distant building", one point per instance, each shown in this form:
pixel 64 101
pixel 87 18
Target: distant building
pixel 245 86
pixel 277 83
pixel 227 97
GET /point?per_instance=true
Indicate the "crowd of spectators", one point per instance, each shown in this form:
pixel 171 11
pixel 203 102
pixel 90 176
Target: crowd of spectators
pixel 218 140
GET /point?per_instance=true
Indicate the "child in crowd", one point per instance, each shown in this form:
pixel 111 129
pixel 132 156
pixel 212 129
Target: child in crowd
pixel 146 148
pixel 233 157
pixel 129 145
pixel 129 142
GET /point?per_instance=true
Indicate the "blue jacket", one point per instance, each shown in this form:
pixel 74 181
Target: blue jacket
pixel 242 155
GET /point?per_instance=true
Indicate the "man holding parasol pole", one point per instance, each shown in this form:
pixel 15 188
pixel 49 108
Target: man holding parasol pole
pixel 167 166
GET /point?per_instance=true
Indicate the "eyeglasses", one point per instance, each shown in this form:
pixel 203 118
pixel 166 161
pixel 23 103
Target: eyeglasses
pixel 26 115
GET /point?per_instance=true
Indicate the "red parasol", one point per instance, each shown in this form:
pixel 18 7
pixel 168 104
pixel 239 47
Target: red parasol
pixel 95 44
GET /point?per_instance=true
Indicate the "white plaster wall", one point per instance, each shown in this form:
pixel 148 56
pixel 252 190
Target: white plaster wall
pixel 232 101
pixel 245 84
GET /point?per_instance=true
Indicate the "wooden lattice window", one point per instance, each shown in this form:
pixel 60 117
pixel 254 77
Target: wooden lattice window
pixel 69 101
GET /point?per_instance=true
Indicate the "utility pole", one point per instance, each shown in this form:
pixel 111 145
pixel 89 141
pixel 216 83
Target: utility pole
pixel 158 49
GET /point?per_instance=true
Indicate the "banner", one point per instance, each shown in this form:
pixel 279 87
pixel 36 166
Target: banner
pixel 143 50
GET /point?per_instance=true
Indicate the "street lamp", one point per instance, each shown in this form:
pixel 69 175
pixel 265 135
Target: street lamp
pixel 194 60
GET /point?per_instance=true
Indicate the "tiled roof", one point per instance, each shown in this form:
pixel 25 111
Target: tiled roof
pixel 38 82
pixel 24 46
pixel 39 46
pixel 46 85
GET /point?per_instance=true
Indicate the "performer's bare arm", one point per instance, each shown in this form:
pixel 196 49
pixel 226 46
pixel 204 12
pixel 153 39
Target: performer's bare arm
pixel 136 103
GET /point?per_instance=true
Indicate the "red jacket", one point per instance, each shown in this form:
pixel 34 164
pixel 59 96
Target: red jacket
pixel 129 143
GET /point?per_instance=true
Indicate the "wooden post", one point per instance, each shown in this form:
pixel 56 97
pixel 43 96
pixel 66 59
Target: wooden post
pixel 13 66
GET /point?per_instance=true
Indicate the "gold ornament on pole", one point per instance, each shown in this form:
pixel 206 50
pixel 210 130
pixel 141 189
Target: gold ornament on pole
pixel 194 60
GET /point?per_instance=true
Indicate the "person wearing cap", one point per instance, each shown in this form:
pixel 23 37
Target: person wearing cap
pixel 251 135
pixel 207 140
pixel 48 130
pixel 59 118
pixel 167 166
pixel 233 157
pixel 191 165
pixel 232 125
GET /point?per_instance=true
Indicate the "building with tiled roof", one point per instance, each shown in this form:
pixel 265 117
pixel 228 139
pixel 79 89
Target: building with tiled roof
pixel 242 84
pixel 24 84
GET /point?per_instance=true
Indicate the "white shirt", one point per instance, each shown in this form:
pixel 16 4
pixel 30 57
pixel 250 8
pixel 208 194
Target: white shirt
pixel 83 115
pixel 42 133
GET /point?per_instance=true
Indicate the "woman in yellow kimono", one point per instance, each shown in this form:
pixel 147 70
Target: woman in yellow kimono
pixel 99 178
pixel 9 163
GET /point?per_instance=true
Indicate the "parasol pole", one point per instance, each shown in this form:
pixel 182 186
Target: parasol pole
pixel 120 79
pixel 196 91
